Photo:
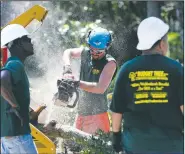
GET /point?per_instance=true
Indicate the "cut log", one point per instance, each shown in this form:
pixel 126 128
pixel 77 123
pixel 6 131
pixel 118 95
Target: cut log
pixel 57 130
pixel 76 140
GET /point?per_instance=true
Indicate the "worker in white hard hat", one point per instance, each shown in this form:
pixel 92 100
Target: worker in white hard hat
pixel 15 94
pixel 148 96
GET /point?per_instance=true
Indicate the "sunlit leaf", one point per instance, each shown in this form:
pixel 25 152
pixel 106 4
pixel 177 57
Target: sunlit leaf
pixel 173 36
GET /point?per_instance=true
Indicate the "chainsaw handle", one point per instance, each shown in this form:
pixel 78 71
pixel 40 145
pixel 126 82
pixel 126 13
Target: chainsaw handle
pixel 76 100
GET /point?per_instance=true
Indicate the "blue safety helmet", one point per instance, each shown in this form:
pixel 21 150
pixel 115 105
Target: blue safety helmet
pixel 99 38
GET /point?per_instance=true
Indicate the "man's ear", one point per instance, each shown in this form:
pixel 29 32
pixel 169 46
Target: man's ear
pixel 161 44
pixel 18 42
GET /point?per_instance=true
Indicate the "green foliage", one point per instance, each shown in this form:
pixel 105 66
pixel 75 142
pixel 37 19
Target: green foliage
pixel 101 144
pixel 172 36
pixel 175 46
pixel 126 15
pixel 172 13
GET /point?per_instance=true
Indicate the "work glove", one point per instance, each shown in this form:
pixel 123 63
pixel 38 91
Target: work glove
pixel 16 111
pixel 67 69
pixel 76 84
pixel 67 72
pixel 116 141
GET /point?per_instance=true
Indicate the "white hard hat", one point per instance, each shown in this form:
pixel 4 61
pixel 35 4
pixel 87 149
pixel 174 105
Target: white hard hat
pixel 150 31
pixel 12 32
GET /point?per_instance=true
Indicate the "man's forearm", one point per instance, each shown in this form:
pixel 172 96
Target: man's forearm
pixel 8 95
pixel 92 87
pixel 116 121
pixel 66 57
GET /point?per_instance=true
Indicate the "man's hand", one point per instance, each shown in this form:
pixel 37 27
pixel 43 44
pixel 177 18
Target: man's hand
pixel 16 112
pixel 67 72
pixel 76 83
pixel 116 141
pixel 68 84
pixel 67 69
pixel 15 106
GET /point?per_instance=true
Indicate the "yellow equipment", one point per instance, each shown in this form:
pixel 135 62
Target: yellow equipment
pixel 109 96
pixel 36 12
pixel 43 143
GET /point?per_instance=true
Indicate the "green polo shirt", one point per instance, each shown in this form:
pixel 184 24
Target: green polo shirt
pixel 10 123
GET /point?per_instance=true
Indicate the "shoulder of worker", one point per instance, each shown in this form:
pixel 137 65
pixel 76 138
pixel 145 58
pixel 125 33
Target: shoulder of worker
pixel 174 64
pixel 85 49
pixel 13 64
pixel 110 58
pixel 85 52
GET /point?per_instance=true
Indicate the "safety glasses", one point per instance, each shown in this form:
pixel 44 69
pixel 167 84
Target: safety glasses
pixel 96 51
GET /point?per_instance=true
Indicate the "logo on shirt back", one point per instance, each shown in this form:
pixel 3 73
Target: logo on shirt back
pixel 150 86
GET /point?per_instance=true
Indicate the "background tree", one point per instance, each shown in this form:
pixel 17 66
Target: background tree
pixel 153 9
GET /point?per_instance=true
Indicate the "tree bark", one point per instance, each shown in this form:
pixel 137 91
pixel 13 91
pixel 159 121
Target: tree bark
pixel 180 17
pixel 153 9
pixel 57 130
pixel 76 140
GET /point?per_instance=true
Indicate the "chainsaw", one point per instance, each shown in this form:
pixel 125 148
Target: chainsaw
pixel 67 89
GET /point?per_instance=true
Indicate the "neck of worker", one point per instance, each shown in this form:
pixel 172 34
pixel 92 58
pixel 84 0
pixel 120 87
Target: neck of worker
pixel 152 52
pixel 18 52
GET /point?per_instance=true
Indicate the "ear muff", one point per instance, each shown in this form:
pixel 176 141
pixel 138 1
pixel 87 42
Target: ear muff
pixel 109 43
pixel 88 34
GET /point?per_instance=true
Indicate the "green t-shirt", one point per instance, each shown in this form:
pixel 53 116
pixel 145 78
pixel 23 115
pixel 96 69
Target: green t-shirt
pixel 149 91
pixel 10 123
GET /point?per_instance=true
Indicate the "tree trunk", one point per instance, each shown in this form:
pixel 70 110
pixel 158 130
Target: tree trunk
pixel 180 17
pixel 153 9
pixel 57 130
pixel 5 12
pixel 111 12
pixel 76 140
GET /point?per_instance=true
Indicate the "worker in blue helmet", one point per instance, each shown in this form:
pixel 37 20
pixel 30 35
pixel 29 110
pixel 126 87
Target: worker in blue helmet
pixel 97 70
